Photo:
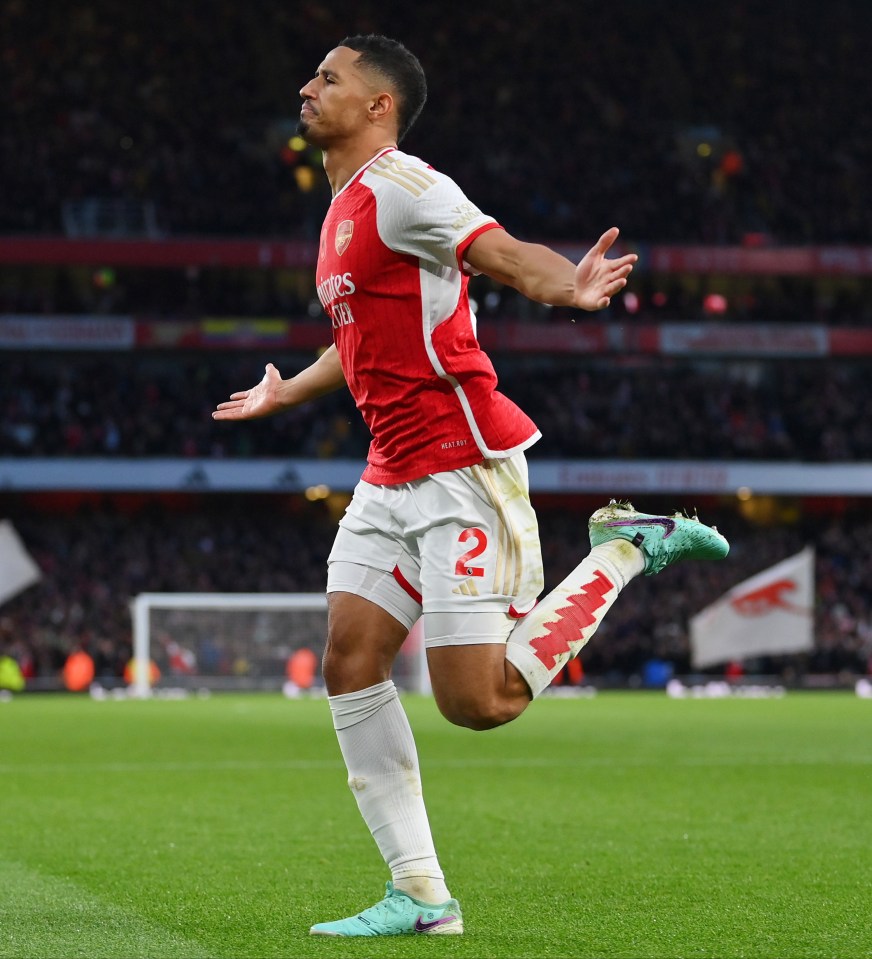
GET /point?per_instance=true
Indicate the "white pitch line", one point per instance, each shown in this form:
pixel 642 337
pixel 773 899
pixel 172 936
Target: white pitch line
pixel 315 765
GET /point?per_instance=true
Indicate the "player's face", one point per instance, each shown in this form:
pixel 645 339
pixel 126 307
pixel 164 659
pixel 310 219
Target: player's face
pixel 335 100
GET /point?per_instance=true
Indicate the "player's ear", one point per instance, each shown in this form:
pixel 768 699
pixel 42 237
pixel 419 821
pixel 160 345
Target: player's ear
pixel 381 106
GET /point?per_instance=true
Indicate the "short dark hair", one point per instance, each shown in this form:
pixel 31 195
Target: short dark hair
pixel 400 67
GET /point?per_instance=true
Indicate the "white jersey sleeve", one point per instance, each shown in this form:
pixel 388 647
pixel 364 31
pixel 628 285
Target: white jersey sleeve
pixel 421 212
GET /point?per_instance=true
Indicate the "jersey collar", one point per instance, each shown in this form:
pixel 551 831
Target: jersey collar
pixel 356 176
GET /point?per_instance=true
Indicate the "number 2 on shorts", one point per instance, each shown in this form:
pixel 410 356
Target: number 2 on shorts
pixel 462 568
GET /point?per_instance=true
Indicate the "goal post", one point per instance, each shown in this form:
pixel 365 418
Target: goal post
pixel 239 641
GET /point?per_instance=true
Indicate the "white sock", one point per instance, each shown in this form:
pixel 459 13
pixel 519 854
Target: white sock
pixel 564 620
pixel 382 761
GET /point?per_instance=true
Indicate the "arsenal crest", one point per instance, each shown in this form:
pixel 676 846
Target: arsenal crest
pixel 343 235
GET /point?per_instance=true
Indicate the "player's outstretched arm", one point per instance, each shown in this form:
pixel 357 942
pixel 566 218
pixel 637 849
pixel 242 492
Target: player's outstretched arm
pixel 274 394
pixel 547 277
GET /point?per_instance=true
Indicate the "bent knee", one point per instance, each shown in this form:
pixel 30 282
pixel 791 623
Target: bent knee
pixel 479 714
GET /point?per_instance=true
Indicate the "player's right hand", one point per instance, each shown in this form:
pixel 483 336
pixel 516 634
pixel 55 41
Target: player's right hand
pixel 260 400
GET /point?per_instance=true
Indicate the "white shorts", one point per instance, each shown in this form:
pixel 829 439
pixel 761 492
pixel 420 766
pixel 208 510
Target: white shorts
pixel 460 542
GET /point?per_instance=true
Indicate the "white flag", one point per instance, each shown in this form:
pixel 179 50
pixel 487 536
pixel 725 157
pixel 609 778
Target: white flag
pixel 17 568
pixel 770 613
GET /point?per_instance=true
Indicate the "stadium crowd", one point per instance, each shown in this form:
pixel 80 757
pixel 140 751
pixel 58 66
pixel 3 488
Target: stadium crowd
pixel 95 559
pixel 692 123
pixel 140 405
pixel 695 122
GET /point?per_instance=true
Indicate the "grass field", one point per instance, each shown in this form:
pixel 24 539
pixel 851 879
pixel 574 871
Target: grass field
pixel 627 825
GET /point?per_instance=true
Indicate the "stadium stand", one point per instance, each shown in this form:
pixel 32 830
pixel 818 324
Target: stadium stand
pixel 135 405
pixel 676 127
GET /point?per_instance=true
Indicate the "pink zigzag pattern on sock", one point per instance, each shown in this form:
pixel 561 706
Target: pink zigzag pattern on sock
pixel 572 620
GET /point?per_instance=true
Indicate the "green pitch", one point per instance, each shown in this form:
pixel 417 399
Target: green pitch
pixel 629 825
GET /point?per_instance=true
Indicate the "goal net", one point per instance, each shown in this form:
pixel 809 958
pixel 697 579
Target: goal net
pixel 242 641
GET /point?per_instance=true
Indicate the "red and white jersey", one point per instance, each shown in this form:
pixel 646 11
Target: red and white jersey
pixel 391 278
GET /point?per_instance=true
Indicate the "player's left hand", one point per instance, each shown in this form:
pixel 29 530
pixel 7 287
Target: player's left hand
pixel 597 279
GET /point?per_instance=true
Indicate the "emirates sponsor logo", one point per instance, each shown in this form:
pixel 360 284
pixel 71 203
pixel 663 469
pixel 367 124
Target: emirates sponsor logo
pixel 335 286
pixel 343 235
